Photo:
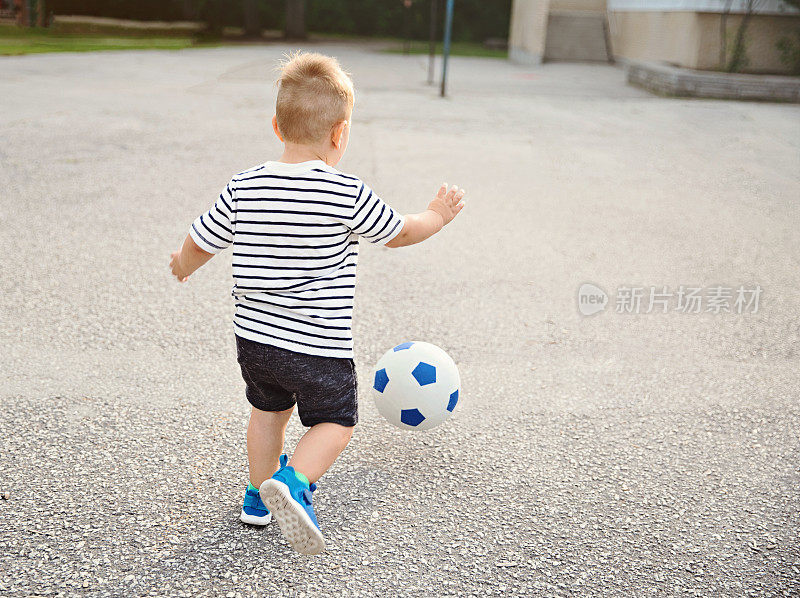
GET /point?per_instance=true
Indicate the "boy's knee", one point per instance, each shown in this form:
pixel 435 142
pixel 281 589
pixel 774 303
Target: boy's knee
pixel 349 432
pixel 269 418
pixel 345 433
pixel 338 433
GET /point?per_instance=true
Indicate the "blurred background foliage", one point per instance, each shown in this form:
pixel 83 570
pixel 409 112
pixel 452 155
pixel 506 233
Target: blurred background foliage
pixel 474 20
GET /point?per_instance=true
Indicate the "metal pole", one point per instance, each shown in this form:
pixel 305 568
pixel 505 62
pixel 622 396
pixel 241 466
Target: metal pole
pixel 432 41
pixel 448 28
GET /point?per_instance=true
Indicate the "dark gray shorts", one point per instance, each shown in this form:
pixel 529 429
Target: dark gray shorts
pixel 324 388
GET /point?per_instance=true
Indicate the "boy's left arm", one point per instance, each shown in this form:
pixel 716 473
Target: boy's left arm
pixel 190 257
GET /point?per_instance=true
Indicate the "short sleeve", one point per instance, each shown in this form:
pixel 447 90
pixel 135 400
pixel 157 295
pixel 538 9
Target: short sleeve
pixel 373 219
pixel 213 231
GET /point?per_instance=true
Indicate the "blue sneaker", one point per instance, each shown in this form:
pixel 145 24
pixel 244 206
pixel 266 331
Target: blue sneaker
pixel 253 510
pixel 289 499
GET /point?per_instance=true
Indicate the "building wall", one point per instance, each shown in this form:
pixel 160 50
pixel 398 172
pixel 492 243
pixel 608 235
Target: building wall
pixel 582 5
pixel 693 40
pixel 528 30
pixel 776 7
pixel 763 32
pixel 671 37
pixel 680 32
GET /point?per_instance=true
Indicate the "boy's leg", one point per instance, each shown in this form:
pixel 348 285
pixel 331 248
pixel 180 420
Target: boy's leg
pixel 288 496
pixel 325 390
pixel 265 435
pixel 318 449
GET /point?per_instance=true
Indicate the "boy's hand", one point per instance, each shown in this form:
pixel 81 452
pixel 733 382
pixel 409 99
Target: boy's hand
pixel 447 203
pixel 418 227
pixel 175 266
pixel 188 259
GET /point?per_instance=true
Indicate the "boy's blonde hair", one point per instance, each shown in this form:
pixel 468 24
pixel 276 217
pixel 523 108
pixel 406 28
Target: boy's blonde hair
pixel 314 94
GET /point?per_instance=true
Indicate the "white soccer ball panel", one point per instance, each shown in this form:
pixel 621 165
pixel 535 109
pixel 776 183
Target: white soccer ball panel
pixel 416 385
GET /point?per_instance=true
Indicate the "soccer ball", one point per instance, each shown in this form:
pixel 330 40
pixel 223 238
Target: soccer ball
pixel 416 386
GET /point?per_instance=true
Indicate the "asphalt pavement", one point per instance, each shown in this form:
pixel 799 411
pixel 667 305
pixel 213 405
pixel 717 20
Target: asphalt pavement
pixel 618 454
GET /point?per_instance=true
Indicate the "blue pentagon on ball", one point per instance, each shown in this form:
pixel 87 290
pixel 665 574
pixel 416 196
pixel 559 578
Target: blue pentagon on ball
pixel 453 400
pixel 381 380
pixel 424 373
pixel 411 417
pixel 402 346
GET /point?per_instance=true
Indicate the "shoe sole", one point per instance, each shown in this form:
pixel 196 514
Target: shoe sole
pixel 296 526
pixel 255 520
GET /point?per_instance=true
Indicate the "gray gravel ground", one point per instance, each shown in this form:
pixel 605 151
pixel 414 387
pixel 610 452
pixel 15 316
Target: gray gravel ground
pixel 618 455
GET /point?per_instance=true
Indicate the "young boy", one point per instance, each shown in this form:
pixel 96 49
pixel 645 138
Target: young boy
pixel 294 225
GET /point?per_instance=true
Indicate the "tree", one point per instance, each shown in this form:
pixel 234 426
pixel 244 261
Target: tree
pixel 723 34
pixel 295 19
pixel 188 10
pixel 738 59
pixel 738 56
pixel 213 13
pixel 252 22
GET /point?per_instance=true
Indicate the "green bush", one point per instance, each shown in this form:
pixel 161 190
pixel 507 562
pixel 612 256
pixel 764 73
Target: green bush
pixel 473 20
pixel 790 52
pixel 140 10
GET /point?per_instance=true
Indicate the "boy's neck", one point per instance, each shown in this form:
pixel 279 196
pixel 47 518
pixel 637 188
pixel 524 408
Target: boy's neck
pixel 295 153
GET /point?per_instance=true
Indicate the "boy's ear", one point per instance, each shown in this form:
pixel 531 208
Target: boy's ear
pixel 337 133
pixel 275 127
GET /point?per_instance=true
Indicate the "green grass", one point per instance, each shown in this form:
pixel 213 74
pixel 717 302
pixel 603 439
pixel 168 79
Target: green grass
pixel 16 40
pixel 456 49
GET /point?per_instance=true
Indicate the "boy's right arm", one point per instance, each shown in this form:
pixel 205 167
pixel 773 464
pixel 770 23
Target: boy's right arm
pixel 418 227
pixel 210 233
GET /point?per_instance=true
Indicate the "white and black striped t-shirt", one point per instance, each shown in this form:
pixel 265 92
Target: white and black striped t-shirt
pixel 294 230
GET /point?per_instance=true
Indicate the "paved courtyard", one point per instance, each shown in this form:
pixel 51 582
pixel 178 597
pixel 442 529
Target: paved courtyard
pixel 621 454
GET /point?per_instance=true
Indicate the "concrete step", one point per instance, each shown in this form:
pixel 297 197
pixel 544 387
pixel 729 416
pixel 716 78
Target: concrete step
pixel 576 35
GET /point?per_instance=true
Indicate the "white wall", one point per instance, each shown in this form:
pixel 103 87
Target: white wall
pixel 528 30
pixel 767 7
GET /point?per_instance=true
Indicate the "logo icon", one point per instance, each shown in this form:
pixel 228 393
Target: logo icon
pixel 591 299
